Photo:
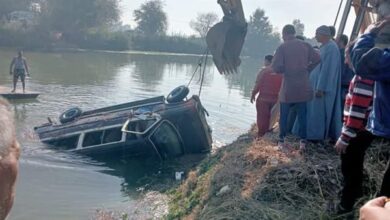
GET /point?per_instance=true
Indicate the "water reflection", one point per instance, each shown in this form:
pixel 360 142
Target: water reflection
pixel 149 70
pixel 20 112
pixel 246 78
pixel 87 68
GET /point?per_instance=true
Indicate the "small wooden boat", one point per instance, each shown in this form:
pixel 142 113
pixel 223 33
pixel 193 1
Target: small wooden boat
pixel 18 94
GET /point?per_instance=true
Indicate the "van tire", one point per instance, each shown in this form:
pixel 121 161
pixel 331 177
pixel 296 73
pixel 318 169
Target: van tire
pixel 178 94
pixel 70 114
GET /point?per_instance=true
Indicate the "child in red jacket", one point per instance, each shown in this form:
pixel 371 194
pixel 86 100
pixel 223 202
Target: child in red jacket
pixel 267 86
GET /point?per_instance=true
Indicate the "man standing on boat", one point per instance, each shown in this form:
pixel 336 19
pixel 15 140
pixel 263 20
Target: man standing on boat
pixel 19 68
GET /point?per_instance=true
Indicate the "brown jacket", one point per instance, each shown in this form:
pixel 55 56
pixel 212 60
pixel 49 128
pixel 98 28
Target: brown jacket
pixel 295 59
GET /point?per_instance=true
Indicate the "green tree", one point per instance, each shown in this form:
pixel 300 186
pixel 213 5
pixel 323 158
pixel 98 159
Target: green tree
pixel 260 39
pixel 203 23
pixel 8 6
pixel 73 16
pixel 299 27
pixel 151 18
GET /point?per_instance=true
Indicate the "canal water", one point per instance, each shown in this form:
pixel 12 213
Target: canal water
pixel 57 185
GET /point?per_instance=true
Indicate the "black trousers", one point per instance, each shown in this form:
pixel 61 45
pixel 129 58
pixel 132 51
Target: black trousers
pixel 352 170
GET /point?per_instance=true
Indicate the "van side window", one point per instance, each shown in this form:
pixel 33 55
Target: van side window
pixel 67 143
pixel 112 135
pixel 93 138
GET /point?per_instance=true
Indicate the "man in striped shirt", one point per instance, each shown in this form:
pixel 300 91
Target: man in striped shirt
pixel 354 140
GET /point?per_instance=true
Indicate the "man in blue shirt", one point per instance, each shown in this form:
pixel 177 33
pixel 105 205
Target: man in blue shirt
pixel 373 63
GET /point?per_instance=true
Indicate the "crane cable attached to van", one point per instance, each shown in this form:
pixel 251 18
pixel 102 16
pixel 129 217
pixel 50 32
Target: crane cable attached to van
pixel 202 61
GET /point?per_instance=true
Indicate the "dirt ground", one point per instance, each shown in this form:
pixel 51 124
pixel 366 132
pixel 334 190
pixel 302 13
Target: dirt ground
pixel 253 179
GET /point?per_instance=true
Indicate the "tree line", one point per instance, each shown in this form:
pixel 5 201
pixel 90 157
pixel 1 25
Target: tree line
pixel 89 24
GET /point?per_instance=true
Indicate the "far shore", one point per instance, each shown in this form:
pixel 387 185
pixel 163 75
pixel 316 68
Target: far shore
pixel 80 50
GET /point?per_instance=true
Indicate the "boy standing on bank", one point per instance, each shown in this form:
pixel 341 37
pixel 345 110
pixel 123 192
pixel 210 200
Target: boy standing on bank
pixel 267 86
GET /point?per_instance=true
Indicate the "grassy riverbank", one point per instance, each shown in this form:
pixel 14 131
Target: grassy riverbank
pixel 252 179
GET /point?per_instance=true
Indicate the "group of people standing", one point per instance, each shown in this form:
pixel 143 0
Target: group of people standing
pixel 307 83
pixel 315 87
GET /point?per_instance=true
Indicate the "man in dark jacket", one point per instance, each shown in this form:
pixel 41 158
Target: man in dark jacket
pixel 374 63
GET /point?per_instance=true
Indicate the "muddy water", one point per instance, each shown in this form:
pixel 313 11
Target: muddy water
pixel 55 185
